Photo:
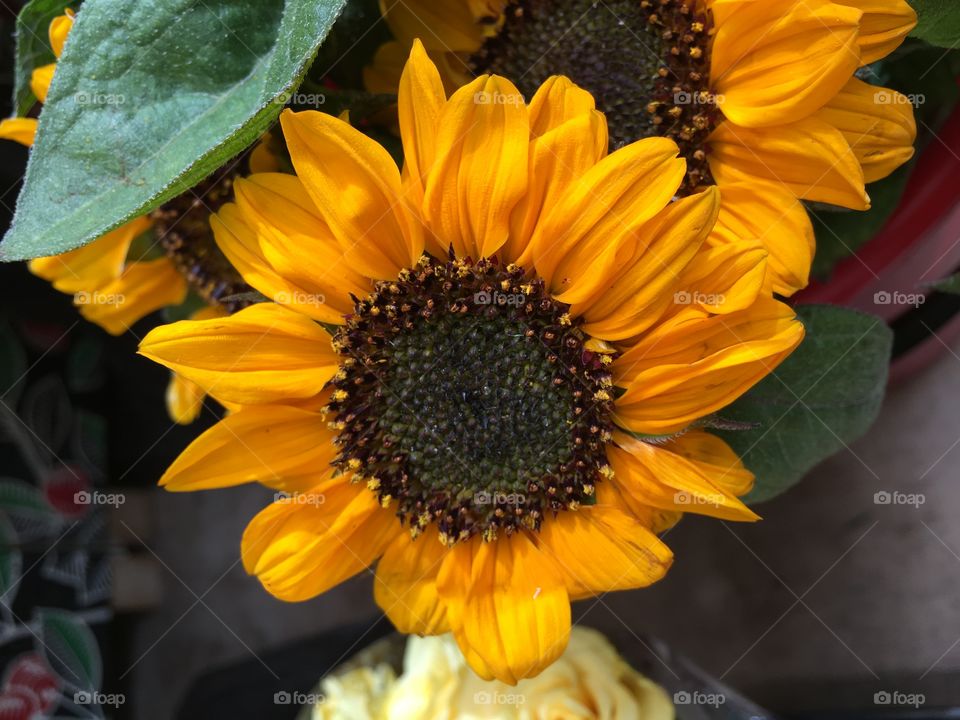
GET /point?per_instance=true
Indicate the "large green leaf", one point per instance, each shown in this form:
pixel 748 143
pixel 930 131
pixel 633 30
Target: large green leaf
pixel 33 46
pixel 938 22
pixel 822 398
pixel 149 97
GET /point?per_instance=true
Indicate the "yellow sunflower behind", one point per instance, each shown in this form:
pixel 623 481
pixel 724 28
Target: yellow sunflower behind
pixel 108 288
pixel 486 374
pixel 110 279
pixel 761 96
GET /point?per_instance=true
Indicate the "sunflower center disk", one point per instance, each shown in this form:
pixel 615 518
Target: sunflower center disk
pixel 645 61
pixel 466 395
pixel 182 228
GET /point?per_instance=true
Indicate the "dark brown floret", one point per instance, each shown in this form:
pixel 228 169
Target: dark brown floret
pixel 466 395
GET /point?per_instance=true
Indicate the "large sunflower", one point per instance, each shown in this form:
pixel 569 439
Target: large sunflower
pixel 488 372
pixel 760 95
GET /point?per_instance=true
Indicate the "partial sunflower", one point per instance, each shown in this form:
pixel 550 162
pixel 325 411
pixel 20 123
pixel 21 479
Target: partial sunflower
pixel 108 288
pixel 487 371
pixel 152 261
pixel 761 96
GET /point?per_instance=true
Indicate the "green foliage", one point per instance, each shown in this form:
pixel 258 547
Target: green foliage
pixel 149 97
pixel 820 399
pixel 33 46
pixel 938 22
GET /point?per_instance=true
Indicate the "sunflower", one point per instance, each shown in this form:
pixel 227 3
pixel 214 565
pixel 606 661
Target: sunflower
pixel 489 372
pixel 761 96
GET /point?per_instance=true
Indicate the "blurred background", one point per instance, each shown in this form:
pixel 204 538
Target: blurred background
pixel 836 596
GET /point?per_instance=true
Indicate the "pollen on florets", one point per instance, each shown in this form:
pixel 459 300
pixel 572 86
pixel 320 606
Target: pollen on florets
pixel 471 399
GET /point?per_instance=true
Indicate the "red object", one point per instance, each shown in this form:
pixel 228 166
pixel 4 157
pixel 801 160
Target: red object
pixel 63 486
pixel 30 676
pixel 919 245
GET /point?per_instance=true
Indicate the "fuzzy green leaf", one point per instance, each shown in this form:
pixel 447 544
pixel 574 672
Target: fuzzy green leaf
pixel 938 22
pixel 149 97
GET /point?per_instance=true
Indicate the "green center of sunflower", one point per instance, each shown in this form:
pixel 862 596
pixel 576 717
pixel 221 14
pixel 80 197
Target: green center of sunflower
pixel 467 396
pixel 645 61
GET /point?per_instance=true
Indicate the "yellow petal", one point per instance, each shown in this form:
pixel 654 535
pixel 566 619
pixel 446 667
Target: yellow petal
pixel 355 185
pixel 776 62
pixel 724 278
pixel 657 520
pixel 406 584
pixel 809 157
pixel 715 459
pixel 480 171
pixel 877 123
pixel 40 80
pixel 59 28
pixel 237 240
pixel 697 364
pixel 419 104
pixel 761 212
pixel 94 265
pixel 658 477
pixel 575 246
pixel 507 604
pixel 444 26
pixel 601 549
pixel 20 130
pixel 296 242
pixel 184 399
pixel 264 353
pixel 382 75
pixel 267 444
pixel 143 288
pixel 633 301
pixel 884 25
pixel 558 158
pixel 556 102
pixel 299 550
